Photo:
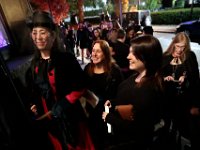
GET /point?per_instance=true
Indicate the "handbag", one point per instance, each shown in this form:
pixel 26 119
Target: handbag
pixel 125 111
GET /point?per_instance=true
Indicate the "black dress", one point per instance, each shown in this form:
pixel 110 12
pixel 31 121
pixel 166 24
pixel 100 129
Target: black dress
pixel 180 98
pixel 146 100
pixel 105 87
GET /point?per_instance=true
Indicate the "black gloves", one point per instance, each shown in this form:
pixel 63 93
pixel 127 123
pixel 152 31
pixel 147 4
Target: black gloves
pixel 60 107
pixel 62 113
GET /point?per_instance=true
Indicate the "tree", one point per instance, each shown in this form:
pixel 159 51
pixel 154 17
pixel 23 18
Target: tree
pixel 192 6
pixel 58 8
pixel 94 3
pixel 80 10
pixel 125 4
pixel 80 4
pixel 167 3
pixel 178 3
pixel 116 7
pixel 152 4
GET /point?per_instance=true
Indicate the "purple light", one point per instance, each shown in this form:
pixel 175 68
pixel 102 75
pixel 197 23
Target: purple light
pixel 3 41
pixel 3 36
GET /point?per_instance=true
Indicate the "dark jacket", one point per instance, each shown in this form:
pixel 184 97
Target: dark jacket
pixel 51 88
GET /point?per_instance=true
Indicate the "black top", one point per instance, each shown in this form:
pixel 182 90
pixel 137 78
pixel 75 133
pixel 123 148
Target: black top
pixel 190 68
pixel 146 101
pixel 83 38
pixel 105 85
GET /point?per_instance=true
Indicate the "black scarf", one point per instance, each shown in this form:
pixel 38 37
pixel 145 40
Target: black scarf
pixel 42 81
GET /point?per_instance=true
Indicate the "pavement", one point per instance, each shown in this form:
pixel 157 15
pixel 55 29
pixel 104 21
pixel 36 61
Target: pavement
pixel 164 28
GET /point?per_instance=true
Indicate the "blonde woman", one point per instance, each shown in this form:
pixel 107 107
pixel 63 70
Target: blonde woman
pixel 181 75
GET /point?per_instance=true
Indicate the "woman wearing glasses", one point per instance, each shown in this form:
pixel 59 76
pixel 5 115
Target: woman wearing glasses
pixel 181 76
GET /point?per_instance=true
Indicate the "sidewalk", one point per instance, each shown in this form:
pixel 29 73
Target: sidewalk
pixel 164 28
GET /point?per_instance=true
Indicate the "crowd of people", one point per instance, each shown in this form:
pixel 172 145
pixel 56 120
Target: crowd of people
pixel 143 87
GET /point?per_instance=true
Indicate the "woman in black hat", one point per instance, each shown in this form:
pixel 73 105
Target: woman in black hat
pixel 57 82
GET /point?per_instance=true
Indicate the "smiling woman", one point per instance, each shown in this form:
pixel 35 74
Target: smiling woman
pixel 181 76
pixel 43 39
pixel 53 96
pixel 104 76
pixel 133 114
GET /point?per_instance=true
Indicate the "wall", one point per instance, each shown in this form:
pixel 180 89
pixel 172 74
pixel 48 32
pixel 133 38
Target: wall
pixel 16 11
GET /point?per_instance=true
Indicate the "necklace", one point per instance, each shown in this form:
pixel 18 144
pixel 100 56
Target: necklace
pixel 175 62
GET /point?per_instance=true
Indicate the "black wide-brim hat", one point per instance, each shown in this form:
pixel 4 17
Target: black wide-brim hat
pixel 41 19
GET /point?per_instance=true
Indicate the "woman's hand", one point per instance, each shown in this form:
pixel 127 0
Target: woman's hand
pixel 34 109
pixel 169 78
pixel 108 103
pixel 181 79
pixel 104 114
pixel 194 111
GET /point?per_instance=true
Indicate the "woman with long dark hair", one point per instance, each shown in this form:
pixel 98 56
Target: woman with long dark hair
pixel 136 108
pixel 56 82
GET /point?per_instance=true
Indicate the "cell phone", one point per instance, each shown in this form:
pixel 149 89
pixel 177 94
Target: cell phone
pixel 176 81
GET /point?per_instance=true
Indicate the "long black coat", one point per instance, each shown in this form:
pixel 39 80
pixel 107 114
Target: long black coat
pixel 64 81
pixel 180 99
pixel 190 66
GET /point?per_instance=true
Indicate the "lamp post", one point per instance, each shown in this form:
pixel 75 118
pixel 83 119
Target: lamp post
pixel 138 12
pixel 138 4
pixel 120 12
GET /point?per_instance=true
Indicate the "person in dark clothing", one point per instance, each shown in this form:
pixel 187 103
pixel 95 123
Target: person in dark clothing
pixel 104 76
pixel 82 40
pixel 106 26
pixel 181 75
pixel 120 53
pixel 130 34
pixel 69 40
pixel 112 39
pixel 137 106
pixel 90 40
pixel 96 34
pixel 147 30
pixel 56 82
